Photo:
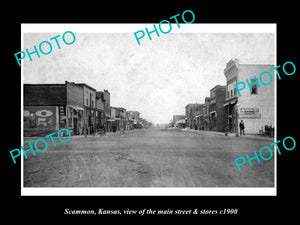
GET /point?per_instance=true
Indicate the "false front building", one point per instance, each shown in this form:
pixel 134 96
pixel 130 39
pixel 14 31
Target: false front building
pixel 50 107
pixel 255 107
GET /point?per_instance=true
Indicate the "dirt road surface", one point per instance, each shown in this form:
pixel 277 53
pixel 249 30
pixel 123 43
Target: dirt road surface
pixel 148 158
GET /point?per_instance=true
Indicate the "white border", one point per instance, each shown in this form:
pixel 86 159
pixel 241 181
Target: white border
pixel 131 28
pixel 149 191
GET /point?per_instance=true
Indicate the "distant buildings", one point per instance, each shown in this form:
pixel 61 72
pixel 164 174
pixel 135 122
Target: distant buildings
pixel 223 110
pixel 76 106
pixel 134 118
pixel 192 111
pixel 178 121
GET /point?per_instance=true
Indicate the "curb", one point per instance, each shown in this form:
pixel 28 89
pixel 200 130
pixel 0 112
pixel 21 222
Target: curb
pixel 229 134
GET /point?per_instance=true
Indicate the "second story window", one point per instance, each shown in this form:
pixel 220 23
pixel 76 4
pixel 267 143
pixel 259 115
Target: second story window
pixel 253 87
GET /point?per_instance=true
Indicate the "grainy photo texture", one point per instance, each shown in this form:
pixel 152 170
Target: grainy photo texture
pixel 166 113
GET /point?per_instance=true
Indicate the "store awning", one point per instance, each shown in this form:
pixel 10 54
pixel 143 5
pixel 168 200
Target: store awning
pixel 180 121
pixel 230 102
pixel 77 108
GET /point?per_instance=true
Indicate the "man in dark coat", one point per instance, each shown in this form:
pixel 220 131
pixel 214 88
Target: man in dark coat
pixel 242 128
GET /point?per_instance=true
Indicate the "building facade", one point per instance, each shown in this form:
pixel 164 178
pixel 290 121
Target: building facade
pixel 74 108
pixel 102 110
pixel 50 107
pixel 255 107
pixel 178 121
pixel 192 112
pixel 120 118
pixel 135 118
pixel 216 109
pixel 89 105
pixel 205 115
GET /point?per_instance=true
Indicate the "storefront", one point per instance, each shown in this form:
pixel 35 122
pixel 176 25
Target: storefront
pixel 230 108
pixel 75 119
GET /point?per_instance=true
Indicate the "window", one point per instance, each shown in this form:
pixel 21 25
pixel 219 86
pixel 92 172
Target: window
pixel 234 91
pixel 231 93
pixel 253 87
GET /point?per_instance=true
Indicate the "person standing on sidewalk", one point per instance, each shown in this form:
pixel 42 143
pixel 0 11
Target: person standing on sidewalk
pixel 242 128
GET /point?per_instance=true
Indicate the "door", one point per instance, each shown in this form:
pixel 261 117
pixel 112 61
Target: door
pixel 75 124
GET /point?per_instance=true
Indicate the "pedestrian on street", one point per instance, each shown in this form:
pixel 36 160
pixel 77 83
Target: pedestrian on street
pixel 242 128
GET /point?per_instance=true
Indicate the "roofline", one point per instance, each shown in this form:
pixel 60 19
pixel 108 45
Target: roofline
pixel 218 86
pixel 253 64
pixel 84 84
pixel 44 84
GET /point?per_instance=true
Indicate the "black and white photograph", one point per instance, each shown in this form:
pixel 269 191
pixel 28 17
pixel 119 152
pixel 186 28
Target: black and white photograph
pixel 182 113
pixel 149 112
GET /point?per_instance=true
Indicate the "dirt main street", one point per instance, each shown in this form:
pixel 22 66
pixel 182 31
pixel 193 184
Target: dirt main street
pixel 148 158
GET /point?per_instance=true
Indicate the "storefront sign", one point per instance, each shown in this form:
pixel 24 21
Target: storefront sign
pixel 39 117
pixel 62 116
pixel 250 116
pixel 249 109
pixel 249 113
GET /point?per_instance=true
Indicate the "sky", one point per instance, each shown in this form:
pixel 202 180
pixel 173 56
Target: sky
pixel 157 78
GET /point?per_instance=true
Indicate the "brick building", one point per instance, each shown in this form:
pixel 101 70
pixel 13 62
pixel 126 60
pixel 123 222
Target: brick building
pixel 205 115
pixel 50 107
pixel 89 105
pixel 201 117
pixel 192 112
pixel 102 110
pixel 217 115
pixel 120 118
